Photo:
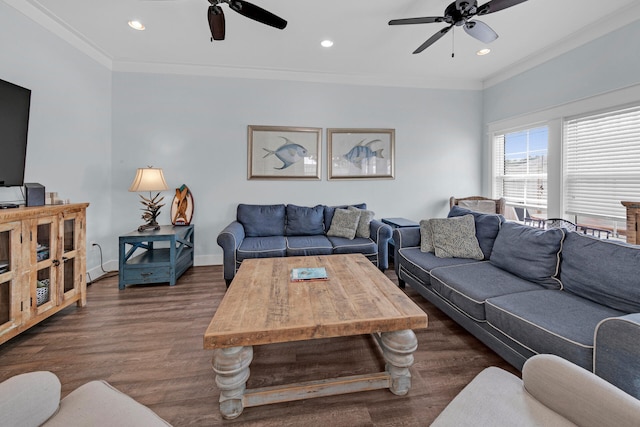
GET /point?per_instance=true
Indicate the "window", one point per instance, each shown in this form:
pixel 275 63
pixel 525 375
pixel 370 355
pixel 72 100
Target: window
pixel 602 163
pixel 521 168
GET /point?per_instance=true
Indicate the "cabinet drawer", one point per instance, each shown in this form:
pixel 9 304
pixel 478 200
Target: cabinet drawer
pixel 147 274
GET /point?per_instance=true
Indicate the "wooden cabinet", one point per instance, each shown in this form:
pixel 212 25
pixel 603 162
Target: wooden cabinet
pixel 42 264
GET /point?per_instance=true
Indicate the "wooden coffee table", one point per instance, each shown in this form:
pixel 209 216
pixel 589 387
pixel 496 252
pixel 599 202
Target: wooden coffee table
pixel 263 306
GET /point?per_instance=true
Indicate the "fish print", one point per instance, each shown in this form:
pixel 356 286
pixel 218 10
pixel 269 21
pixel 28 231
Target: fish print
pixel 289 153
pixel 362 152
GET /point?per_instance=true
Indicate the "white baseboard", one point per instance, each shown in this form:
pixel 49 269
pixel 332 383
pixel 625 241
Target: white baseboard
pixel 112 266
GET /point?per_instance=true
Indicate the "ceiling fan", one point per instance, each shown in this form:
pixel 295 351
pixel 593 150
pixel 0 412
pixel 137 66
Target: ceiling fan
pixel 459 14
pixel 215 15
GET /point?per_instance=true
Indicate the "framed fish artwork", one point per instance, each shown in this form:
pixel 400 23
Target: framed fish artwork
pixel 361 153
pixel 284 152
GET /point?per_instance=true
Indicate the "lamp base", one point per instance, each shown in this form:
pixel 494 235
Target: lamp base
pixel 147 227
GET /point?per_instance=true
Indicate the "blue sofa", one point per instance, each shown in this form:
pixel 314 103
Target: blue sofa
pixel 537 291
pixel 264 231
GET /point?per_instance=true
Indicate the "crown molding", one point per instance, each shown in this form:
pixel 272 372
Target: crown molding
pixel 605 26
pixel 61 29
pixel 415 81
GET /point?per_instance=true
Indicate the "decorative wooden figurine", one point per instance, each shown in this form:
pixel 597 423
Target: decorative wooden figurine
pixel 182 206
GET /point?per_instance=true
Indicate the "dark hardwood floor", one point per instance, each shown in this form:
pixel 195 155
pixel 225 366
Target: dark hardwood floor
pixel 147 342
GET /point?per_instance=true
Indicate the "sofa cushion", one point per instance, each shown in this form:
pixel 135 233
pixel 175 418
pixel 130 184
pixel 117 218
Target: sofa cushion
pixel 455 237
pixel 528 252
pixel 468 286
pixel 262 247
pixel 304 221
pixel 426 237
pixel 330 210
pixel 603 271
pixel 361 245
pixel 261 220
pixel 344 223
pixel 364 229
pixel 487 227
pixel 549 321
pixel 308 245
pixel 412 261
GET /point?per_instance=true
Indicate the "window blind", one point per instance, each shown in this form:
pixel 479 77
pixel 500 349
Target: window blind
pixel 521 170
pixel 602 162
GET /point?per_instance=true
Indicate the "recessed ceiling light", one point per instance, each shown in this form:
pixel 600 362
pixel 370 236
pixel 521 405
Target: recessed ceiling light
pixel 136 25
pixel 483 52
pixel 326 43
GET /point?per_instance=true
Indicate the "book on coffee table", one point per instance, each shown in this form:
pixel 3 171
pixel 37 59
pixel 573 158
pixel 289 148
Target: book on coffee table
pixel 309 273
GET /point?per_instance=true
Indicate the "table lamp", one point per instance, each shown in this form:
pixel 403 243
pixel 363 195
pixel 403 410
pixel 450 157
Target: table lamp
pixel 150 179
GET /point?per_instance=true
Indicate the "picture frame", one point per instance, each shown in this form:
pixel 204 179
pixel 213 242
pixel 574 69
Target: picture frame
pixel 360 154
pixel 279 152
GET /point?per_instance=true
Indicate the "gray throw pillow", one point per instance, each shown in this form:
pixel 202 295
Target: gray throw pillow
pixel 426 237
pixel 344 223
pixel 366 216
pixel 455 237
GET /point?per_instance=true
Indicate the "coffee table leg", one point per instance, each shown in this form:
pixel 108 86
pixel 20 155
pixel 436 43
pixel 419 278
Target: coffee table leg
pixel 397 350
pixel 231 366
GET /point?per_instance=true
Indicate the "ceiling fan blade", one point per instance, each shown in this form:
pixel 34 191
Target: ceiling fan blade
pixel 497 5
pixel 216 22
pixel 481 31
pixel 257 13
pixel 434 38
pixel 425 20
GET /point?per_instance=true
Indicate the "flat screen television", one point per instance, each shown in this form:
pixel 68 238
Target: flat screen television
pixel 15 102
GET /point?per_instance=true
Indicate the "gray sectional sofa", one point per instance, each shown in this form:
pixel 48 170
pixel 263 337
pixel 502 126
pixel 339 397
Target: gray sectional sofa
pixel 264 231
pixel 536 291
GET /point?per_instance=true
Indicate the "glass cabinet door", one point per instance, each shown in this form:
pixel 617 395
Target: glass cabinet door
pixel 70 235
pixel 43 284
pixel 10 295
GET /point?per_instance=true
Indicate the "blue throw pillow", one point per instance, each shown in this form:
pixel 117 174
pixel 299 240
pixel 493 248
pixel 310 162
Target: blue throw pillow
pixel 530 253
pixel 305 221
pixel 487 227
pixel 261 220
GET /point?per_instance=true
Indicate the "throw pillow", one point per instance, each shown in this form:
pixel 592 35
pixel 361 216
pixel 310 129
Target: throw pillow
pixel 344 223
pixel 487 227
pixel 366 216
pixel 426 237
pixel 329 210
pixel 455 237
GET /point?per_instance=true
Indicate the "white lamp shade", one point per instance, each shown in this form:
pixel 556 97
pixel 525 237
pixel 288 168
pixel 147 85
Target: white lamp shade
pixel 149 179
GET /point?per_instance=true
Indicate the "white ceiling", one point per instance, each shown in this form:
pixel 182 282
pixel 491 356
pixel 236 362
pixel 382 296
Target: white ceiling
pixel 366 49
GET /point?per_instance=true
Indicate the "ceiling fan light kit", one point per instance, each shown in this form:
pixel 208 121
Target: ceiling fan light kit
pixel 215 16
pixel 460 14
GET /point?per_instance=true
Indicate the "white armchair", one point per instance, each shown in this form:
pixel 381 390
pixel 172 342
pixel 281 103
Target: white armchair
pixel 33 399
pixel 552 392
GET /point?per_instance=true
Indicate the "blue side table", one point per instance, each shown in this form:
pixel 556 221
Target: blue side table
pixel 155 264
pixel 397 223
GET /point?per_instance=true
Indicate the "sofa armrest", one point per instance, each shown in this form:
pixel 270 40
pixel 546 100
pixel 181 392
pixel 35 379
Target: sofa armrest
pixel 381 234
pixel 230 239
pixel 29 399
pixel 616 355
pixel 577 394
pixel 406 237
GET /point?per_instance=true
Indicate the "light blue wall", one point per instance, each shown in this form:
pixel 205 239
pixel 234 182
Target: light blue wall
pixel 602 65
pixel 69 143
pixel 195 128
